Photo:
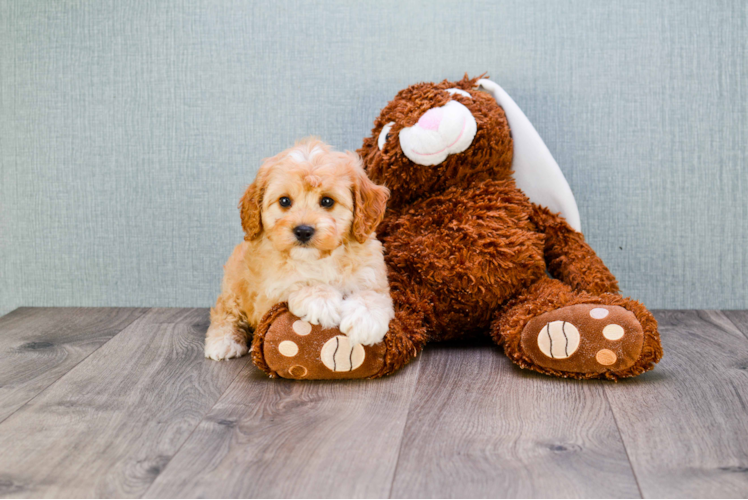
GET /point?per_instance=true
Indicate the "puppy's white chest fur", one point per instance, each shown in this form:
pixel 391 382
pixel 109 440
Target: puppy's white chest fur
pixel 305 268
pixel 349 269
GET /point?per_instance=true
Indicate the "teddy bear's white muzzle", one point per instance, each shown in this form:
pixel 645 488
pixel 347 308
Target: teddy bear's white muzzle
pixel 439 133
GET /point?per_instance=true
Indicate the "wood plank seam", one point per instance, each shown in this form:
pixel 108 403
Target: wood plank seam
pixel 405 427
pixel 145 493
pixel 480 427
pixel 330 450
pixel 399 450
pixel 138 315
pixel 623 441
pixel 125 410
pixel 737 326
pixel 681 423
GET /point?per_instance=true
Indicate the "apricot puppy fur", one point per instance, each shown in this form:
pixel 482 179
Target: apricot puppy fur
pixel 309 220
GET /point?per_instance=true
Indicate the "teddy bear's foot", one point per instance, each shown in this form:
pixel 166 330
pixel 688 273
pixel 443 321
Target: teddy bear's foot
pixel 583 339
pixel 295 349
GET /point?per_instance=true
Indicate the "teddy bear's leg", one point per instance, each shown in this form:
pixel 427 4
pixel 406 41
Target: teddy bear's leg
pixel 285 346
pixel 559 331
pixel 569 258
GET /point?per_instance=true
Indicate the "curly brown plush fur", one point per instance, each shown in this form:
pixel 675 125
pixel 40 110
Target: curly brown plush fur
pixel 256 351
pixel 468 252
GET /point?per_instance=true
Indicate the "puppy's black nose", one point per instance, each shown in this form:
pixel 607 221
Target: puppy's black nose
pixel 303 233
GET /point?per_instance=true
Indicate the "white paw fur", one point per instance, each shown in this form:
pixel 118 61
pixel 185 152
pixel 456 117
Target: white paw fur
pixel 219 345
pixel 366 317
pixel 319 305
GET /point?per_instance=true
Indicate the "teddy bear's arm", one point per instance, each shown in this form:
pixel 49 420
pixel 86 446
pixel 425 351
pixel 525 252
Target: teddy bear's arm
pixel 569 258
pixel 390 219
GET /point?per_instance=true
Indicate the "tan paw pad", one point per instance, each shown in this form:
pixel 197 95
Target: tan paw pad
pixel 583 338
pixel 558 339
pixel 606 357
pixel 613 332
pixel 288 348
pixel 298 371
pixel 302 327
pixel 339 356
pixel 296 349
pixel 599 313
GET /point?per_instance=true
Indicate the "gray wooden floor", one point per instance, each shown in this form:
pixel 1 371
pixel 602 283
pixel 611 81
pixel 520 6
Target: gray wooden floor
pixel 121 403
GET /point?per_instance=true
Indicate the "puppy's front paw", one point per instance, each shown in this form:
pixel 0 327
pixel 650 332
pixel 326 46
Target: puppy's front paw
pixel 319 305
pixel 224 345
pixel 363 322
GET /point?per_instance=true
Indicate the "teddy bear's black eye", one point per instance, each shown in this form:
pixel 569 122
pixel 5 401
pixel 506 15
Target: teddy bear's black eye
pixel 285 201
pixel 384 135
pixel 327 202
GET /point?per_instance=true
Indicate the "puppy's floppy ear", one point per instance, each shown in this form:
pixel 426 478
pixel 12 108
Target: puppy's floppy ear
pixel 250 207
pixel 369 201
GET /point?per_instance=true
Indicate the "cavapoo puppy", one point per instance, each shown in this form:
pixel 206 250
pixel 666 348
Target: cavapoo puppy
pixel 309 221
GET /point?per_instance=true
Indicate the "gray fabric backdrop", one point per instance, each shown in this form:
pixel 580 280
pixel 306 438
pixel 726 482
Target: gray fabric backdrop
pixel 129 129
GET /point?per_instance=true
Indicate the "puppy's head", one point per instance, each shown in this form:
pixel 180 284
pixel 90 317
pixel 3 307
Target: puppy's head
pixel 309 200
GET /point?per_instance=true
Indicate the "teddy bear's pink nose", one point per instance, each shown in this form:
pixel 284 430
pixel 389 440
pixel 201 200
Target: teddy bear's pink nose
pixel 431 119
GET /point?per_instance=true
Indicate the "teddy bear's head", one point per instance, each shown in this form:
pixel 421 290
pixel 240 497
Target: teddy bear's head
pixel 433 136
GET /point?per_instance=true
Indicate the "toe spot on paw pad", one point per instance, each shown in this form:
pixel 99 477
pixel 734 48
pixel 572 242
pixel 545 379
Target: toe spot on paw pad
pixel 339 356
pixel 558 339
pixel 297 371
pixel 288 348
pixel 599 313
pixel 302 327
pixel 606 357
pixel 613 332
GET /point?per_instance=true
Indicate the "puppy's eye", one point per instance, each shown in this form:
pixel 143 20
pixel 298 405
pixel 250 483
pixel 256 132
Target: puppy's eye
pixel 327 202
pixel 285 201
pixel 384 135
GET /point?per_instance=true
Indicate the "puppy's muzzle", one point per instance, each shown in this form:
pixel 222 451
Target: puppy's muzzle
pixel 303 233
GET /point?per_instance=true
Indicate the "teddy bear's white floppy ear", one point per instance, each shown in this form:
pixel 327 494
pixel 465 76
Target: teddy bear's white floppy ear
pixel 535 171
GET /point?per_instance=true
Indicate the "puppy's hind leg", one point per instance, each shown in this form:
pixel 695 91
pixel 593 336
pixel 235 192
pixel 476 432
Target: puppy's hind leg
pixel 228 333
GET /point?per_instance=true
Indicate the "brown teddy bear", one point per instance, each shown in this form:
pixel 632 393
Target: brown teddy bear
pixel 468 253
